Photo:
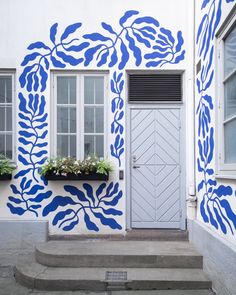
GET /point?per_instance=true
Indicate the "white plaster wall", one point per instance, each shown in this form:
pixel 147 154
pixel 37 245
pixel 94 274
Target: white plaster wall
pixel 27 21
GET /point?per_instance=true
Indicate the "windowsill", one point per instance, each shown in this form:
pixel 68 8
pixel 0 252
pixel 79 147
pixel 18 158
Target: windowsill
pixel 225 176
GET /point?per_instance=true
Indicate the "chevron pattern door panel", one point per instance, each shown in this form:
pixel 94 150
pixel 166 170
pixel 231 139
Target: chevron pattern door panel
pixel 156 168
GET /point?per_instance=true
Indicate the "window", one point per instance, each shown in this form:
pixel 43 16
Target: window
pixel 6 117
pixel 79 115
pixel 227 101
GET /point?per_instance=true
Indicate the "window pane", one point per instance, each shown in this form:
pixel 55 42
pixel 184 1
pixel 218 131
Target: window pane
pixel 99 90
pixel 8 89
pixel 230 142
pixel 88 145
pixel 2 118
pixel 99 120
pixel 9 146
pixel 2 144
pixel 5 89
pixel 88 90
pixel 72 120
pixel 62 145
pixel 88 119
pixel 100 146
pixel 62 120
pixel 230 97
pixel 2 90
pixel 230 52
pixel 9 118
pixel 73 146
pixel 66 90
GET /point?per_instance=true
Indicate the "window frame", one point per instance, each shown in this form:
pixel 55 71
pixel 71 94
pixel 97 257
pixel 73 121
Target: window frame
pixel 223 170
pixel 80 132
pixel 12 74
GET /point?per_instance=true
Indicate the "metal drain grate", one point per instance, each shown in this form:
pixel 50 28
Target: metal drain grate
pixel 116 276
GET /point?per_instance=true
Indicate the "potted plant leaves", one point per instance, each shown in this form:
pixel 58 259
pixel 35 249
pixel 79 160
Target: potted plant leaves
pixel 6 168
pixel 69 168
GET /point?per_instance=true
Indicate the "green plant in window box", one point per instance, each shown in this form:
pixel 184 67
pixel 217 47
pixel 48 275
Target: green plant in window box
pixel 69 168
pixel 6 168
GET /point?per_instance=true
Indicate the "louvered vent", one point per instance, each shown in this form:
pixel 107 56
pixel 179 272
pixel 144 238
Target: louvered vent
pixel 154 88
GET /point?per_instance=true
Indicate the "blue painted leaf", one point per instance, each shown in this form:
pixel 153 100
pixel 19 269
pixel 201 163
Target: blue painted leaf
pixel 179 57
pixel 220 221
pixel 142 40
pixel 44 77
pixel 28 184
pixel 26 134
pixel 151 64
pixel 200 186
pixel 147 20
pixel 223 190
pixel 90 225
pixel 198 86
pixel 228 210
pixel 208 84
pixel 212 182
pixel 202 27
pixel 23 160
pixel 147 35
pixel 168 34
pixel 40 145
pixel 53 32
pixel 24 74
pixel 136 51
pixel 209 100
pixel 108 28
pixel 180 41
pixel 155 55
pixel 23 151
pixel 124 56
pixel 58 201
pixel 38 45
pixel 39 154
pixel 42 126
pixel 15 200
pixel 127 15
pixel 15 210
pixel 121 151
pixel 89 53
pixel 23 117
pixel 209 32
pixel 41 119
pixel 41 196
pixel 114 58
pixel 74 191
pixel 46 62
pixel 41 162
pixel 103 59
pixel 34 189
pixel 211 218
pixel 23 125
pixel 210 171
pixel 35 206
pixel 89 191
pixel 200 169
pixel 71 226
pixel 201 151
pixel 113 106
pixel 70 29
pixel 61 215
pixel 107 221
pixel 149 29
pixel 203 212
pixel 119 77
pixel 43 135
pixel 159 48
pixel 100 189
pixel 69 58
pixel 14 189
pixel 56 63
pixel 112 211
pixel 41 106
pixel 96 37
pixel 121 86
pixel 22 173
pixel 211 142
pixel 218 18
pixel 114 201
pixel 23 141
pixel 77 48
pixel 29 58
pixel 204 4
pixel 36 82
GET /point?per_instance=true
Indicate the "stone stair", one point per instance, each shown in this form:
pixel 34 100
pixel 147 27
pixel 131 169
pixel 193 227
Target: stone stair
pixel 99 265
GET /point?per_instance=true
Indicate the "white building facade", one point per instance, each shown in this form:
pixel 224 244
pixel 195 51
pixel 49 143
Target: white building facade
pixel 148 85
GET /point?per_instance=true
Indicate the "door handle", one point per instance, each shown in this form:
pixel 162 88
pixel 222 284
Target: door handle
pixel 136 166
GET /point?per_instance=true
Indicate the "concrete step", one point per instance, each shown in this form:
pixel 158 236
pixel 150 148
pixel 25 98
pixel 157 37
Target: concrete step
pixel 134 234
pixel 149 292
pixel 118 254
pixel 34 275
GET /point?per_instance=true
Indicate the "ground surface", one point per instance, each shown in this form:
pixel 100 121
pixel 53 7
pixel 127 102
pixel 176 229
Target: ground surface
pixel 8 286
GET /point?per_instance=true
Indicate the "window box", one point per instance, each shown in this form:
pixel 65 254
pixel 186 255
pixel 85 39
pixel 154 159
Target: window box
pixel 71 176
pixel 5 177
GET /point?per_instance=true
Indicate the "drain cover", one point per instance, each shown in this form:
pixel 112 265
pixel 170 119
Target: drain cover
pixel 116 276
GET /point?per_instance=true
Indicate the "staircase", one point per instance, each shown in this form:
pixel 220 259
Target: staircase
pixel 108 265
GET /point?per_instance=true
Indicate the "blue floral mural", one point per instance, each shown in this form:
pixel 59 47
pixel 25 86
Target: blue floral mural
pixel 137 34
pixel 215 205
pixel 88 204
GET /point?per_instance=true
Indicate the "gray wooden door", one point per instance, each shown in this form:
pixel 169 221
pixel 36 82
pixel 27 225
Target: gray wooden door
pixel 156 168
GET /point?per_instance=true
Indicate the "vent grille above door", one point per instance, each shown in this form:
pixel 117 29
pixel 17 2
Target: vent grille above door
pixel 155 88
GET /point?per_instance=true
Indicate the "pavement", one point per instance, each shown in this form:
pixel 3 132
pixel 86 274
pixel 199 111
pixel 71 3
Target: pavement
pixel 8 286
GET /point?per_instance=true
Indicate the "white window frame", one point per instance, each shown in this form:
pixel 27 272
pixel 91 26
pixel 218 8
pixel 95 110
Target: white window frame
pixel 11 73
pixel 79 106
pixel 223 170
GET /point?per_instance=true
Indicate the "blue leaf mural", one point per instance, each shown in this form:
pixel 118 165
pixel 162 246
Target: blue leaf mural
pixel 215 205
pixel 89 206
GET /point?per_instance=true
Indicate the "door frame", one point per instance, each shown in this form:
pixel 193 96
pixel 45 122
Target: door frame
pixel 183 201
